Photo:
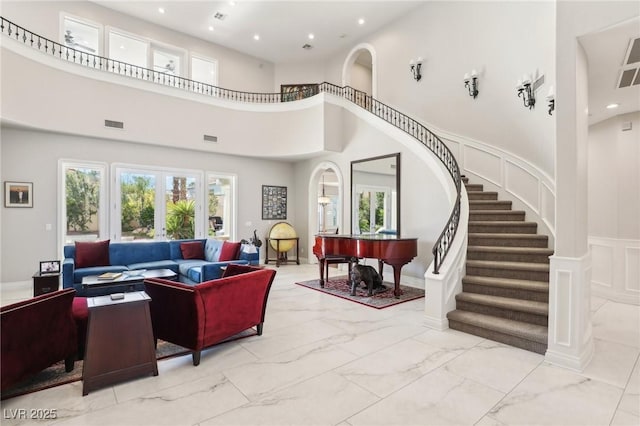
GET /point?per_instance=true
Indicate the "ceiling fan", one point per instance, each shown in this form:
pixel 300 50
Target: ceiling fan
pixel 69 41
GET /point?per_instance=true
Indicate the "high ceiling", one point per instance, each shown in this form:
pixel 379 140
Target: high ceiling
pixel 284 27
pixel 607 53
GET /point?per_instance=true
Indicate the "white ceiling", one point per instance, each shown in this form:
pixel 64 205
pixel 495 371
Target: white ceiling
pixel 284 27
pixel 606 53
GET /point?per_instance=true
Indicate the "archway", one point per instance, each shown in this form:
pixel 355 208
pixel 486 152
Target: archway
pixel 360 69
pixel 326 206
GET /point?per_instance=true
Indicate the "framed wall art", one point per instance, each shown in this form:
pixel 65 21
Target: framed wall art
pixel 18 194
pixel 274 202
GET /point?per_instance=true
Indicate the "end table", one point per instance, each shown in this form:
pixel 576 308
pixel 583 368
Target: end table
pixel 45 283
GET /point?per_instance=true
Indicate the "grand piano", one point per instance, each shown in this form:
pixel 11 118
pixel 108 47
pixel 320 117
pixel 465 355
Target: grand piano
pixel 388 249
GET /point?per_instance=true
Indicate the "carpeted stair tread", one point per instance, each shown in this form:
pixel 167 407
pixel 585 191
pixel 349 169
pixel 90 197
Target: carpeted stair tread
pixel 528 285
pixel 508 236
pixel 507 254
pixel 538 267
pixel 496 215
pixel 530 306
pixel 532 332
pixel 502 227
pixel 489 205
pixel 519 250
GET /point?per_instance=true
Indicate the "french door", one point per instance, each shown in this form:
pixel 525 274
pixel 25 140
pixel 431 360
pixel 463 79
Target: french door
pixel 156 204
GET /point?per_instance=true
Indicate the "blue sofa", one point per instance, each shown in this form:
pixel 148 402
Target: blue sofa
pixel 125 256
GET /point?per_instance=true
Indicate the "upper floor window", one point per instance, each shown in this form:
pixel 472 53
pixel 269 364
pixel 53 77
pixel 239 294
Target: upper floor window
pixel 204 70
pixel 81 34
pixel 128 48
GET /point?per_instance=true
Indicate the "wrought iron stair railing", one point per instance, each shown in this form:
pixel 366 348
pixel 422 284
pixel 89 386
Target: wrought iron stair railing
pixel 379 109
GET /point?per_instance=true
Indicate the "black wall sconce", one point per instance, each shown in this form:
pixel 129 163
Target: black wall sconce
pixel 525 90
pixel 471 83
pixel 415 67
pixel 551 100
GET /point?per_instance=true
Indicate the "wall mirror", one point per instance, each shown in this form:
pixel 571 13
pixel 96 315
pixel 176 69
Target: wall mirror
pixel 375 195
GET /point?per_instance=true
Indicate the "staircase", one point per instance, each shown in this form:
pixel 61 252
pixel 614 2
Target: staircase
pixel 505 294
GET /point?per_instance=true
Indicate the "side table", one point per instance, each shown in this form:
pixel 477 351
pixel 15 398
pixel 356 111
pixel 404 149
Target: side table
pixel 45 283
pixel 120 344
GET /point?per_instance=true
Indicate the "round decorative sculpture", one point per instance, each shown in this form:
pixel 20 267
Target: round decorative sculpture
pixel 281 231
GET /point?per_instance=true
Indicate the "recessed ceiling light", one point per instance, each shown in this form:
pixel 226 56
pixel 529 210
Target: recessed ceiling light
pixel 311 36
pixel 361 21
pixel 161 9
pixel 232 3
pixel 612 106
pixel 210 27
pixel 256 37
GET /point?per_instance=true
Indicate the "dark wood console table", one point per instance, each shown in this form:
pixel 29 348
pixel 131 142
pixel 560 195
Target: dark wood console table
pixel 120 344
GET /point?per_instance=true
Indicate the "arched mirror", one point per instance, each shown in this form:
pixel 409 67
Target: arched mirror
pixel 328 194
pixel 375 195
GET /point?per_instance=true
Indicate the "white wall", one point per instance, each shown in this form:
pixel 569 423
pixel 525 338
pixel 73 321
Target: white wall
pixel 236 70
pixel 455 37
pixel 614 208
pixel 33 156
pixel 614 178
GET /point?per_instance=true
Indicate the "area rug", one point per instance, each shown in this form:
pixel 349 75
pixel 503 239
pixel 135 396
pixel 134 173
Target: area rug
pixel 340 287
pixel 57 376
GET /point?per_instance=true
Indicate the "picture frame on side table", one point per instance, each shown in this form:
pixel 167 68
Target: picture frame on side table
pixel 48 267
pixel 18 194
pixel 274 202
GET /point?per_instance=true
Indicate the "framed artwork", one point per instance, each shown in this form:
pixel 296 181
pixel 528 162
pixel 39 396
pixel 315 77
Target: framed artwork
pixel 274 202
pixel 50 267
pixel 18 194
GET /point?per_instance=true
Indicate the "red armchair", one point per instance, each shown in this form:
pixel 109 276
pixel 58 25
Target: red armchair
pixel 37 333
pixel 202 315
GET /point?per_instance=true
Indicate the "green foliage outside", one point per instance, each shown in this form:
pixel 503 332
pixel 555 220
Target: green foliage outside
pixel 180 219
pixel 137 201
pixel 82 197
pixel 364 213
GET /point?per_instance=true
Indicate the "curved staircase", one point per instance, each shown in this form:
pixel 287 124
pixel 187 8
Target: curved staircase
pixel 505 294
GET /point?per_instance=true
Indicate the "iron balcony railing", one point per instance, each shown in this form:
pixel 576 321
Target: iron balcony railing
pixel 385 112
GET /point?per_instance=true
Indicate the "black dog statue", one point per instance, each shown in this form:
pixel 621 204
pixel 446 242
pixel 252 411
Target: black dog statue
pixel 368 275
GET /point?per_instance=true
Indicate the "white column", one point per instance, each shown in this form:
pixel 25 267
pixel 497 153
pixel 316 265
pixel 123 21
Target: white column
pixel 570 342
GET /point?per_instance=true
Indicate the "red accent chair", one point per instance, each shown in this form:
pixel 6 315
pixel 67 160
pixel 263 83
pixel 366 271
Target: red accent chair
pixel 37 333
pixel 202 315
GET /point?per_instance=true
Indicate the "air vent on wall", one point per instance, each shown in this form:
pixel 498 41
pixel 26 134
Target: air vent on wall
pixel 209 138
pixel 220 16
pixel 114 124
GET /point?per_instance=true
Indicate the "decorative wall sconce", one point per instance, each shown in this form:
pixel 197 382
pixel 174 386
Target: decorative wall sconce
pixel 551 100
pixel 471 83
pixel 415 67
pixel 525 90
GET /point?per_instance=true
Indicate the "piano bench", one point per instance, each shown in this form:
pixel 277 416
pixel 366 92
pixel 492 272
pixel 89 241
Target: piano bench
pixel 335 260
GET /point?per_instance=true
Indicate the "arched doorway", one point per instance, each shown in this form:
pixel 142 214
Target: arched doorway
pixel 360 71
pixel 326 209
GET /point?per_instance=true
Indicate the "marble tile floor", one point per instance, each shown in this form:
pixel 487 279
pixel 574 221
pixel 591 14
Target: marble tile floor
pixel 327 361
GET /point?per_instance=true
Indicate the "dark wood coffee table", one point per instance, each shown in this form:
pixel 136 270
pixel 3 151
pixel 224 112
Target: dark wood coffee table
pixel 127 281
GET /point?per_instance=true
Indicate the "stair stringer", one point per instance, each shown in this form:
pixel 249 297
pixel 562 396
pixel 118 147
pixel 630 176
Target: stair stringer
pixel 441 289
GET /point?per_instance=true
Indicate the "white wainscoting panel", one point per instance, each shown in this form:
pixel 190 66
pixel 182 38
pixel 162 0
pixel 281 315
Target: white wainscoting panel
pixel 523 185
pixel 603 264
pixel 483 163
pixel 548 206
pixel 632 269
pixel 616 269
